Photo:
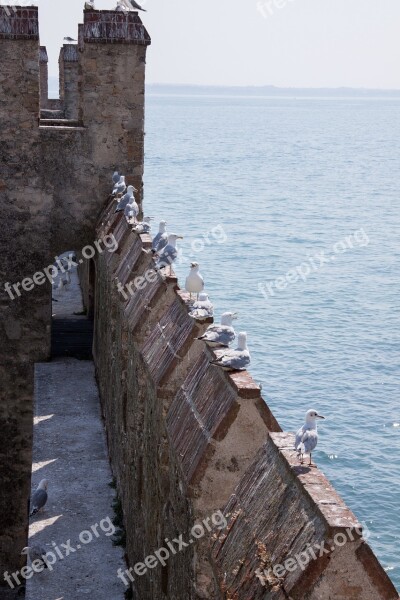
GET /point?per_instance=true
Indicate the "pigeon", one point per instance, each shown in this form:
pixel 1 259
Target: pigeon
pixel 161 239
pixel 69 39
pixel 120 187
pixel 128 6
pixel 115 177
pixel 194 281
pixel 126 198
pixel 169 253
pixel 39 497
pixel 235 360
pixel 144 226
pixel 36 552
pixel 202 309
pixel 220 335
pixel 307 436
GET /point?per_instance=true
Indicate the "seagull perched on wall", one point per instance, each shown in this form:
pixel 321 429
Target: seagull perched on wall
pixel 202 309
pixel 115 177
pixel 169 253
pixel 69 39
pixel 194 281
pixel 89 5
pixel 161 239
pixel 220 335
pixel 144 226
pixel 39 497
pixel 307 436
pixel 128 6
pixel 120 187
pixel 126 199
pixel 131 210
pixel 235 360
pixel 36 552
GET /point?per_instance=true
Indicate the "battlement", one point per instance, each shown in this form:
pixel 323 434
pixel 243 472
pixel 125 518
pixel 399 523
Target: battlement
pixel 19 23
pixel 111 27
pixel 187 439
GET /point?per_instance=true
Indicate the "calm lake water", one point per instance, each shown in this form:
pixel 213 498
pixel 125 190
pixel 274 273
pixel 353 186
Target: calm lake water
pixel 267 189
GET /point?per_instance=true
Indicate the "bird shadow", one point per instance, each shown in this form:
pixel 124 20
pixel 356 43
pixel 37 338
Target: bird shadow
pixel 302 469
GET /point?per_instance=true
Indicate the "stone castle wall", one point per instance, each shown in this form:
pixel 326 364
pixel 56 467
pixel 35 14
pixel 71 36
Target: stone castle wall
pixel 53 180
pixel 187 439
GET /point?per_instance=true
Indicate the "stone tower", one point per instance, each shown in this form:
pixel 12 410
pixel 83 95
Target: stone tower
pixel 54 176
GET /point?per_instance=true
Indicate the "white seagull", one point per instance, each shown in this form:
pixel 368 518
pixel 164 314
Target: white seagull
pixel 235 360
pixel 89 5
pixel 131 210
pixel 119 187
pixel 128 6
pixel 307 436
pixel 144 226
pixel 169 253
pixel 194 281
pixel 202 309
pixel 126 198
pixel 161 239
pixel 39 497
pixel 221 335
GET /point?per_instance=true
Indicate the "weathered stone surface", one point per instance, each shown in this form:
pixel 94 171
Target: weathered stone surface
pixel 53 181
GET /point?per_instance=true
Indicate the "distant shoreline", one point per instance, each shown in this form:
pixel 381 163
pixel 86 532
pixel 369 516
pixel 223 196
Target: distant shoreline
pixel 268 91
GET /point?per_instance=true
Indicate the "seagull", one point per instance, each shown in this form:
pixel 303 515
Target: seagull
pixel 69 39
pixel 119 187
pixel 202 308
pixel 169 253
pixel 36 552
pixel 126 198
pixel 131 210
pixel 235 360
pixel 115 177
pixel 161 239
pixel 39 497
pixel 220 335
pixel 194 281
pixel 307 436
pixel 128 6
pixel 144 226
pixel 89 5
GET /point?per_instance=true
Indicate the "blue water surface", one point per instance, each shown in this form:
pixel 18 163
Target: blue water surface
pixel 264 189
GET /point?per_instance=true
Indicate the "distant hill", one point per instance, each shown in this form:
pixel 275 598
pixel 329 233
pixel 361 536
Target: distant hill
pixel 268 90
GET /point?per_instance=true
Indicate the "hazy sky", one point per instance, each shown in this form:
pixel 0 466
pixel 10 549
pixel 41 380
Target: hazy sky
pixel 303 43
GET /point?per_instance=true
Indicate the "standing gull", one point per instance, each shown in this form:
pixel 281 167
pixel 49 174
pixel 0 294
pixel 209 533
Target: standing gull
pixel 161 239
pixel 169 253
pixel 36 552
pixel 119 187
pixel 202 308
pixel 131 210
pixel 235 360
pixel 128 6
pixel 307 436
pixel 126 198
pixel 221 335
pixel 39 497
pixel 194 281
pixel 89 5
pixel 115 177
